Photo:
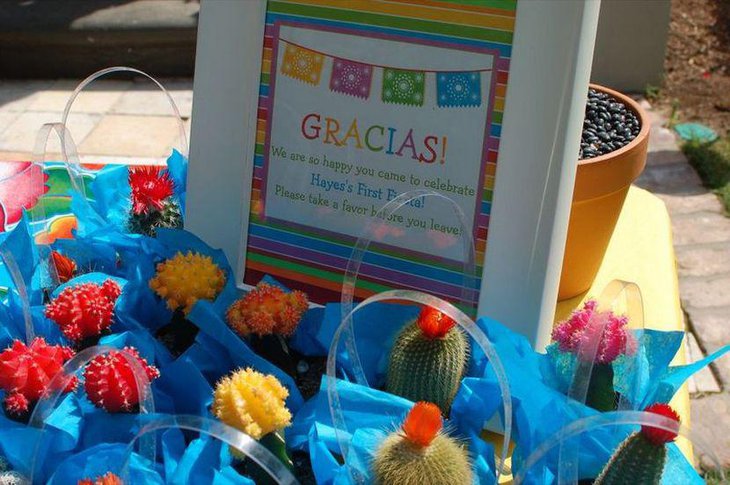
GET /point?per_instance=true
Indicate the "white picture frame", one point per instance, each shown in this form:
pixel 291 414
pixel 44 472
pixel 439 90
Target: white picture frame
pixel 541 129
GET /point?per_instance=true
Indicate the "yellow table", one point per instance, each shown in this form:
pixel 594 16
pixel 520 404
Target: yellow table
pixel 641 251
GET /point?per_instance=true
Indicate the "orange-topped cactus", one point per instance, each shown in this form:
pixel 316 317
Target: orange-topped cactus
pixel 65 266
pixel 267 310
pixel 420 452
pixel 422 424
pixel 428 360
pixel 107 479
pixel 433 323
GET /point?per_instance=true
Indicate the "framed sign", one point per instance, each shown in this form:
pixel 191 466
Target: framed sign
pixel 310 115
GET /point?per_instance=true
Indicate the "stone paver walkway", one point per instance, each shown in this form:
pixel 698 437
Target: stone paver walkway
pixel 113 122
pixel 702 246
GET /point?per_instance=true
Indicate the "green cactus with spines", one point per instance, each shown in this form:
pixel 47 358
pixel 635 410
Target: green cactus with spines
pixel 636 458
pixel 428 360
pixel 641 457
pixel 147 223
pixel 420 453
pixel 601 395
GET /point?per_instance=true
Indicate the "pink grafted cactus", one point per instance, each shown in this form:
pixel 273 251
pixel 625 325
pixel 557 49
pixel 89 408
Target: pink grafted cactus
pixel 588 325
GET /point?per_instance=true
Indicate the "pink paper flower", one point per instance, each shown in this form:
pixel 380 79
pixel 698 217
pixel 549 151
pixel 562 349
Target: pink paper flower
pixel 588 325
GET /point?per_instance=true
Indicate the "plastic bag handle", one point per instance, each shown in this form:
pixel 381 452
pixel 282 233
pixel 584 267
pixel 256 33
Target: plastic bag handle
pixel 235 438
pixel 588 349
pixel 614 418
pixel 468 290
pixel 68 150
pixel 462 320
pixel 109 70
pixel 19 282
pixel 46 404
pixel 71 161
pixel 635 301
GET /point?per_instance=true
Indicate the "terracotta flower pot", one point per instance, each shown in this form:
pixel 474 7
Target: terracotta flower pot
pixel 601 186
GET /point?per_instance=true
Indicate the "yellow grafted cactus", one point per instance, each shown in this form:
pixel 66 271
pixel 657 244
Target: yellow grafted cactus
pixel 252 402
pixel 186 278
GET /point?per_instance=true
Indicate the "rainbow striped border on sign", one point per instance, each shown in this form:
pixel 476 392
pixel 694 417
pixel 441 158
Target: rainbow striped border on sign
pixel 313 260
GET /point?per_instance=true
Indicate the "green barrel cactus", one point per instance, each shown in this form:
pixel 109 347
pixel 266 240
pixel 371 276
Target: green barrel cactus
pixel 641 457
pixel 600 394
pixel 147 223
pixel 428 360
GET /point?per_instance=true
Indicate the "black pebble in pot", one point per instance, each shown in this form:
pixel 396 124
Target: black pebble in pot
pixel 608 125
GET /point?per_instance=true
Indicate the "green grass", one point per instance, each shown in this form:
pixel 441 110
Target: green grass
pixel 712 162
pixel 652 92
pixel 714 478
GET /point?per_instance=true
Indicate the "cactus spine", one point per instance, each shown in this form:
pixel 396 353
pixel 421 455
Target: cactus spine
pixel 428 360
pixel 420 453
pixel 147 223
pixel 641 457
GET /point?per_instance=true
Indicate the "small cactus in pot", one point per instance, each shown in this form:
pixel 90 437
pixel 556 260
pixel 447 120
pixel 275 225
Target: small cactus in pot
pixel 428 360
pixel 266 317
pixel 641 457
pixel 255 404
pixel 107 479
pixel 421 453
pixel 597 337
pixel 153 204
pixel 181 281
pixel 84 312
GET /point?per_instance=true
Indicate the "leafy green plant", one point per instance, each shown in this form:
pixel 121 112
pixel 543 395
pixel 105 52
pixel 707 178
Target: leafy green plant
pixel 652 92
pixel 715 477
pixel 712 162
pixel 673 115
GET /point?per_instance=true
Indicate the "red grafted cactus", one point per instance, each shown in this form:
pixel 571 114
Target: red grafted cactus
pixel 150 189
pixel 84 310
pixel 266 310
pixel 109 380
pixel 26 372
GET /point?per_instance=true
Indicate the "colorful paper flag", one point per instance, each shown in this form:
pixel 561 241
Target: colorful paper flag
pixel 302 64
pixel 403 87
pixel 350 77
pixel 456 89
